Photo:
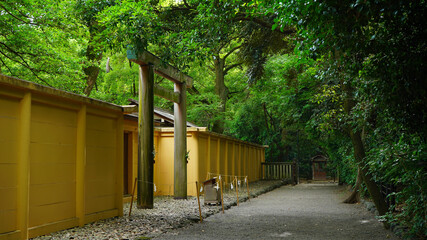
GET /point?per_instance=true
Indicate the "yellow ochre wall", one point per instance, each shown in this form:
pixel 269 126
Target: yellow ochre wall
pixel 208 153
pixel 60 159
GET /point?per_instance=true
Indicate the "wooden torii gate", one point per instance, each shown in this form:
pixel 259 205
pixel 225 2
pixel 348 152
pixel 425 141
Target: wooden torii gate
pixel 148 65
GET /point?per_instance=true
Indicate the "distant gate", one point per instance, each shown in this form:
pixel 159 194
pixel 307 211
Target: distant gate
pixel 278 170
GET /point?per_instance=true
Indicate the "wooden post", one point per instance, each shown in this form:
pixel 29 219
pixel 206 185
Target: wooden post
pixel 133 194
pixel 119 165
pixel 24 165
pixel 226 163
pixel 247 187
pixel 233 160
pixel 222 194
pixel 244 156
pixel 208 158
pixel 218 156
pixel 146 149
pixel 198 201
pixel 180 143
pixel 80 165
pixel 237 190
pixel 145 137
pixel 239 161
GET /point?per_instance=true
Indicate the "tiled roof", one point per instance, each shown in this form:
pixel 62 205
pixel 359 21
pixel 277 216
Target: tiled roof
pixel 158 112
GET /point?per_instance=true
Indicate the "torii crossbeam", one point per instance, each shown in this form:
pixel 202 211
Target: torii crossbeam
pixel 148 65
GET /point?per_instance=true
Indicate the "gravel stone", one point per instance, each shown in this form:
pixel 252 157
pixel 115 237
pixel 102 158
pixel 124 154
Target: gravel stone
pixel 168 214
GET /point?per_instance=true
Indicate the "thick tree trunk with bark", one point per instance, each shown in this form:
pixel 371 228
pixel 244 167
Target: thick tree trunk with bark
pixel 221 90
pixel 92 70
pixel 355 195
pixel 373 188
pixel 360 154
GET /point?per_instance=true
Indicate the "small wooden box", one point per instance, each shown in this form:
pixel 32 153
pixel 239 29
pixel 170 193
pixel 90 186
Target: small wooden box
pixel 212 195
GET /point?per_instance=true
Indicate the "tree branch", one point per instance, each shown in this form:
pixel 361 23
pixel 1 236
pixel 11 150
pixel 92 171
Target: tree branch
pixel 211 67
pixel 15 52
pixel 16 17
pixel 26 65
pixel 4 64
pixel 180 7
pixel 272 123
pixel 231 51
pixel 193 90
pixel 265 24
pixel 187 5
pixel 231 67
pixel 265 117
pixel 234 92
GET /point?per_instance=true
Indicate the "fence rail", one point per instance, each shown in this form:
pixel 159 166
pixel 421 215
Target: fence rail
pixel 278 170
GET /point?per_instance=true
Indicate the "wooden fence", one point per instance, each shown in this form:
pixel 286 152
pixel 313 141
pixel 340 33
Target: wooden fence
pixel 278 170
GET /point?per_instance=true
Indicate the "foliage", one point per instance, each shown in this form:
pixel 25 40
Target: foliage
pixel 120 84
pixel 277 111
pixel 39 41
pixel 398 158
pixel 296 104
pixel 378 49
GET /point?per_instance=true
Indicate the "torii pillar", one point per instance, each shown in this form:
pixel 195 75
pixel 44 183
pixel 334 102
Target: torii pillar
pixel 148 65
pixel 180 143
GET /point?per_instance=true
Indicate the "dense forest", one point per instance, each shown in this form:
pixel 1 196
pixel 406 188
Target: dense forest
pixel 346 79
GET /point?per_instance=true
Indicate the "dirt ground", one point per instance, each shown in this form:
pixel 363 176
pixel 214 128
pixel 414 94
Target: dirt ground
pixel 304 211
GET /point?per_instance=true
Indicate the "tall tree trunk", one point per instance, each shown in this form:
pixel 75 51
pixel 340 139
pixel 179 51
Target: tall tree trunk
pixel 221 90
pixel 355 195
pixel 360 154
pixel 93 56
pixel 374 190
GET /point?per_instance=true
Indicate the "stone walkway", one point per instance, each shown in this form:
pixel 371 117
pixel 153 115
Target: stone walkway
pixel 304 211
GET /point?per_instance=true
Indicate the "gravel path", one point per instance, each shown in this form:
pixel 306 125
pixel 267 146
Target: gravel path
pixel 168 214
pixel 305 211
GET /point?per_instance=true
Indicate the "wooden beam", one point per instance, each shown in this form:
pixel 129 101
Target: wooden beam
pixel 180 144
pixel 161 68
pixel 208 157
pixel 80 164
pixel 233 160
pixel 24 166
pixel 129 109
pixel 226 161
pixel 119 165
pixel 239 164
pixel 146 138
pixel 218 155
pixel 167 94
